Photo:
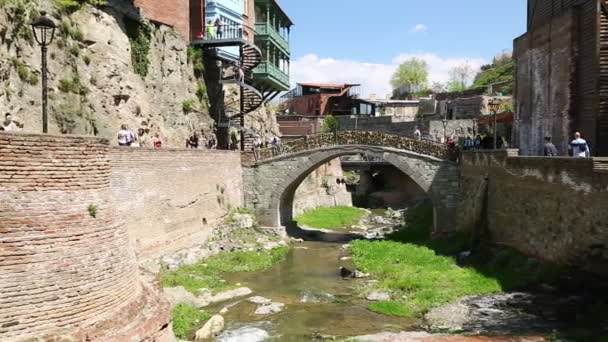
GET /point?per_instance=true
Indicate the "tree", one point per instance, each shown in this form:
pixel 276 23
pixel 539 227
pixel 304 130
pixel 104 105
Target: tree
pixel 330 124
pixel 460 77
pixel 438 87
pixel 412 72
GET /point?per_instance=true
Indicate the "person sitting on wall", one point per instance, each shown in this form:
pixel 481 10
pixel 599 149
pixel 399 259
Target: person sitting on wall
pixel 156 141
pixel 417 133
pixel 550 150
pixel 125 136
pixel 10 125
pixel 192 142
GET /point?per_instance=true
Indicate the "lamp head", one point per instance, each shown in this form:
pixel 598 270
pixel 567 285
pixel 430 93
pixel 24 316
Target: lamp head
pixel 44 29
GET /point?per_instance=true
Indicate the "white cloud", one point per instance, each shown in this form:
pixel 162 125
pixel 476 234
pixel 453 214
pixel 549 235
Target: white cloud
pixel 419 28
pixel 373 77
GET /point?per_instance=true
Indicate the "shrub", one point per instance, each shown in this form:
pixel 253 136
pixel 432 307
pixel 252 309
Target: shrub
pixel 86 59
pixel 92 209
pixel 195 57
pixel 330 124
pixel 188 106
pixel 74 50
pixel 139 34
pixel 201 93
pixel 74 5
pixel 72 85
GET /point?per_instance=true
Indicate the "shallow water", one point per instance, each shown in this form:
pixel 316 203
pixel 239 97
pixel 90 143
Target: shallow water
pixel 318 301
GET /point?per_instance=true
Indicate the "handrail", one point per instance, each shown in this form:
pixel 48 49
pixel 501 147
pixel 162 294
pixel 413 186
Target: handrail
pixel 370 138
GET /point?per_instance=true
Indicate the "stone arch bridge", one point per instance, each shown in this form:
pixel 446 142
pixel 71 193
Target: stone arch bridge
pixel 272 175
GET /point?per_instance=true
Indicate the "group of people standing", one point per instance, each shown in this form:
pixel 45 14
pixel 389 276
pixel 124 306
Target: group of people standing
pixel 126 137
pixel 578 148
pixel 194 141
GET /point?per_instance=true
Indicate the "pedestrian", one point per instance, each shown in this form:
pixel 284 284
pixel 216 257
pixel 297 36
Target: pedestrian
pixel 212 141
pixel 241 73
pixel 218 28
pixel 417 133
pixel 550 150
pixel 192 142
pixel 579 147
pixel 210 30
pixel 477 143
pixel 468 143
pixel 157 141
pixel 125 136
pixel 10 125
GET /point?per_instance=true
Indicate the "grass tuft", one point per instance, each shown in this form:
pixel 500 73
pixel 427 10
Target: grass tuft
pixel 186 319
pixel 207 274
pixel 340 217
pixel 391 309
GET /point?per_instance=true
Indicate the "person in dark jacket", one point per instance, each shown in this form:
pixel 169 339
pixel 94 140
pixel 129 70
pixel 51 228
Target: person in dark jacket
pixel 550 150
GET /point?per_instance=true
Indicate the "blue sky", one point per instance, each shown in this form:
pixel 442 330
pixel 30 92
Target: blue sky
pixel 363 41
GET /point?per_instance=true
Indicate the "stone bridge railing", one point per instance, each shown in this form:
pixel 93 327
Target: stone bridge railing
pixel 370 138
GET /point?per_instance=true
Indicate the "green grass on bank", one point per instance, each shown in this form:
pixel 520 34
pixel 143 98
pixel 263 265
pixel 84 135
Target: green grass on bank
pixel 207 274
pixel 341 217
pixel 420 272
pixel 186 319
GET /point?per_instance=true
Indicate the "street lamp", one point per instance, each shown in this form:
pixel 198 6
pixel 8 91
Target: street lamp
pixel 44 32
pixel 494 106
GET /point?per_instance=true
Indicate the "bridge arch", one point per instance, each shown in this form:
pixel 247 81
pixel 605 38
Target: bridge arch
pixel 271 183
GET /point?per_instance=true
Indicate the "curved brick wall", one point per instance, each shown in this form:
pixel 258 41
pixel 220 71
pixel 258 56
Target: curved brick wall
pixel 63 271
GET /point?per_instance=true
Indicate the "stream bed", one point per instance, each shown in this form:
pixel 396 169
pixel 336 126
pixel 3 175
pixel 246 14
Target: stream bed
pixel 318 302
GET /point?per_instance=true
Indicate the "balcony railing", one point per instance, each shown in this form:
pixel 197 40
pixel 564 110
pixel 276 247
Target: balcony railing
pixel 223 32
pixel 272 71
pixel 265 29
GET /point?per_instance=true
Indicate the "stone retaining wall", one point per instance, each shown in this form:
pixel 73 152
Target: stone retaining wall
pixel 172 199
pixel 555 209
pixel 66 265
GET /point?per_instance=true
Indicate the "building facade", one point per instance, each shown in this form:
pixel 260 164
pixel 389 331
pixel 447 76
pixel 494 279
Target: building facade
pixel 272 34
pixel 561 72
pixel 319 99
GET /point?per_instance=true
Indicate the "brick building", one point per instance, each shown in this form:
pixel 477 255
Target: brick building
pixel 561 68
pixel 325 99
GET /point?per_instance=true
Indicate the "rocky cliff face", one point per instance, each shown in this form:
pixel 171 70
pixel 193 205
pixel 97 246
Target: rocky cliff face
pixel 107 66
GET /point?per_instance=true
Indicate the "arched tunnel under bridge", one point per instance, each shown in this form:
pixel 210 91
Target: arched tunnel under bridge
pixel 270 184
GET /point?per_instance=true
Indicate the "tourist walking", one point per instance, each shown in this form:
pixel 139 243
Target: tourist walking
pixel 10 125
pixel 550 150
pixel 579 147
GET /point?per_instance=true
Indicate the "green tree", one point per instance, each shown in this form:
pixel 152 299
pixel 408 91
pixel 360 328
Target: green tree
pixel 330 124
pixel 414 71
pixel 460 77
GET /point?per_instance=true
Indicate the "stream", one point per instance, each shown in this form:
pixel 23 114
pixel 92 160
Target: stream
pixel 318 302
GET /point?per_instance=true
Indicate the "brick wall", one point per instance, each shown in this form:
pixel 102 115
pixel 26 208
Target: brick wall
pixel 551 208
pixel 63 266
pixel 175 13
pixel 172 199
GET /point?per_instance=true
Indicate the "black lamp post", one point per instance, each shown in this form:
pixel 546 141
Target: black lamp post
pixel 494 106
pixel 44 32
pixel 445 126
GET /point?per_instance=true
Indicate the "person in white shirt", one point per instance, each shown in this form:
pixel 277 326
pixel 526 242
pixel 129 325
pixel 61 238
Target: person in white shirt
pixel 579 147
pixel 10 125
pixel 125 137
pixel 417 133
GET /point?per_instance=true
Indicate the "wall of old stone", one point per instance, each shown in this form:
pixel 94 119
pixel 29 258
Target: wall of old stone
pixel 173 199
pixel 554 209
pixel 320 189
pixel 387 124
pixel 66 265
pixel 545 61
